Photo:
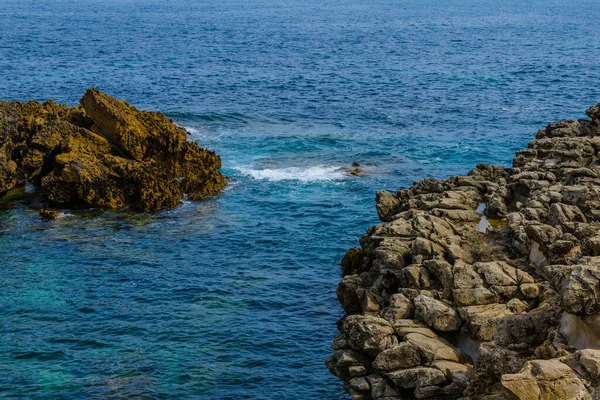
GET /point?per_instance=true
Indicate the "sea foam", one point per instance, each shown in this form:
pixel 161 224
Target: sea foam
pixel 303 174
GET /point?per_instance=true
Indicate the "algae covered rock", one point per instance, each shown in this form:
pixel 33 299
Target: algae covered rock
pixel 104 153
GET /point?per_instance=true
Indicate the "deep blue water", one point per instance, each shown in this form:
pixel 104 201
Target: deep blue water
pixel 234 297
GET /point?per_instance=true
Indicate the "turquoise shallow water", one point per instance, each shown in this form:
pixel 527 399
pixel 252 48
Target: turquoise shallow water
pixel 234 297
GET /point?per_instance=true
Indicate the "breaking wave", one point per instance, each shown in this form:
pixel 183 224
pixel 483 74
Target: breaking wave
pixel 303 174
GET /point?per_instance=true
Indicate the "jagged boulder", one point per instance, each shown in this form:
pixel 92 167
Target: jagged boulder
pixel 545 379
pixel 520 294
pixel 104 153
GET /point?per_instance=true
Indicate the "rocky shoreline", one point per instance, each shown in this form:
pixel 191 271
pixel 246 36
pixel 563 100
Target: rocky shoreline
pixel 484 286
pixel 104 153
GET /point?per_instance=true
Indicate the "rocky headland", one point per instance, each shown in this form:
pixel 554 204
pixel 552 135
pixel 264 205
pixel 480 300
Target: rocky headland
pixel 484 286
pixel 104 153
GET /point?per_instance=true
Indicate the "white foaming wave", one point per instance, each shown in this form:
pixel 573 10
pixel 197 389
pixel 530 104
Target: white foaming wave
pixel 303 174
pixel 194 132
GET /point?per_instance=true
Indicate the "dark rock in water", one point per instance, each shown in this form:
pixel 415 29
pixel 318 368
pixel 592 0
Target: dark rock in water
pixel 104 153
pixel 525 290
pixel 48 214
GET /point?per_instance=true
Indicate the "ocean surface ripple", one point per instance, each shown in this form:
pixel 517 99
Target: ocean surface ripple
pixel 234 297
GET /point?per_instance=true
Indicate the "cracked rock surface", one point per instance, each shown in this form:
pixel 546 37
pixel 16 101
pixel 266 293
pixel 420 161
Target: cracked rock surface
pixel 439 308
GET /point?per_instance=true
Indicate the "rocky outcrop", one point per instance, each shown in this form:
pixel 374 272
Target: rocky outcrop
pixel 103 153
pixel 484 286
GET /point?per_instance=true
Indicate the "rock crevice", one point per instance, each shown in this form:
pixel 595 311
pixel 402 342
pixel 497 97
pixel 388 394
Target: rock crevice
pixel 427 273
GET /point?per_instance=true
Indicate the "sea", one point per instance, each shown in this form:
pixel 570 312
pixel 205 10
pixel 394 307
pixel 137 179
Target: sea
pixel 234 297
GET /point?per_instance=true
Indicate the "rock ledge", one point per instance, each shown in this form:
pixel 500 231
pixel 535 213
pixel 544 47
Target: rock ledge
pixel 484 286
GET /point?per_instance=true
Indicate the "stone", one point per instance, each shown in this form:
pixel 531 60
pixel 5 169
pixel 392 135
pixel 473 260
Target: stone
pixel 519 295
pixel 368 334
pixel 352 263
pixel 590 360
pixel 417 377
pixel 528 328
pixel 578 286
pixel 426 392
pixel 347 296
pixel 400 308
pixel 432 349
pixel 497 360
pixel 449 368
pixel 405 355
pixel 474 296
pixel 403 327
pixel 387 205
pixel 360 384
pixel 545 379
pixel 481 321
pixel 105 154
pixel 381 389
pixel 48 214
pixel 436 314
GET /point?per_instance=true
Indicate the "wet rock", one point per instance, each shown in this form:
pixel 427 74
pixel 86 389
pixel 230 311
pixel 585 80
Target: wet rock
pixel 48 214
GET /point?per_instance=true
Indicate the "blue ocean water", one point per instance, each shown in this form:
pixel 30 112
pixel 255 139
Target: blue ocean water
pixel 234 297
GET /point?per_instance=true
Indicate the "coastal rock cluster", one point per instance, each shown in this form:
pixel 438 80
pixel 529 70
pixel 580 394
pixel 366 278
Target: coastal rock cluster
pixel 104 153
pixel 484 286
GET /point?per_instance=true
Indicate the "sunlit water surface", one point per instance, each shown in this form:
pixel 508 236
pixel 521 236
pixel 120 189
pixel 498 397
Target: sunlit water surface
pixel 234 297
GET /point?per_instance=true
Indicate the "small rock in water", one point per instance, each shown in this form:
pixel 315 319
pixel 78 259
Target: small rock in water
pixel 355 170
pixel 48 214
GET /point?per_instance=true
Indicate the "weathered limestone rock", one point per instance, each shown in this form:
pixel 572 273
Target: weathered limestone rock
pixel 521 296
pixel 369 334
pixel 436 314
pixel 400 308
pixel 405 355
pixel 434 349
pixel 104 153
pixel 578 286
pixel 417 377
pixel 545 379
pixel 481 321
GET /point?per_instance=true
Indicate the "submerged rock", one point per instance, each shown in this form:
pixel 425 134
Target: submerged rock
pixel 48 215
pixel 104 153
pixel 525 290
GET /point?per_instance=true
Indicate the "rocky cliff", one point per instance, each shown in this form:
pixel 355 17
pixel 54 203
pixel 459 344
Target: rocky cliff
pixel 103 153
pixel 484 286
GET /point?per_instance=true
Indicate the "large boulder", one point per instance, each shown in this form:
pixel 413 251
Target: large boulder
pixel 104 153
pixel 545 379
pixel 437 314
pixel 519 291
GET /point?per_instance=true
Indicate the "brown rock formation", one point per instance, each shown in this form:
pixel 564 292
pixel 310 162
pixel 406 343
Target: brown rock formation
pixel 519 291
pixel 104 153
